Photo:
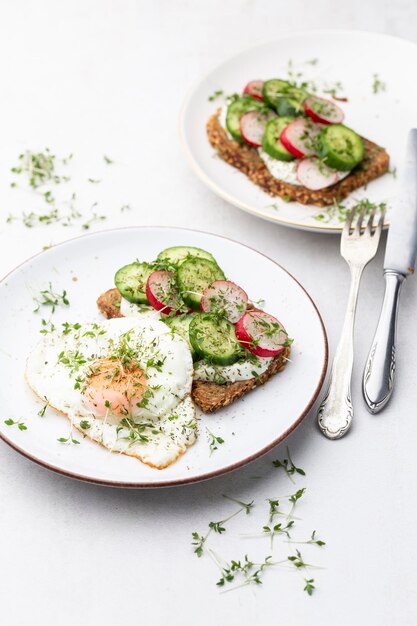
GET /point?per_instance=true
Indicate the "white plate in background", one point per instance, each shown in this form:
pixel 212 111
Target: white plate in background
pixel 351 57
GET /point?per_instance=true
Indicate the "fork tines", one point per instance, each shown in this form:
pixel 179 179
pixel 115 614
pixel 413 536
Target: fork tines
pixel 356 227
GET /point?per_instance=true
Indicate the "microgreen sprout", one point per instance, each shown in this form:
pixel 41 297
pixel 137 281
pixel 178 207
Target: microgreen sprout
pixel 289 466
pixel 214 441
pixel 48 297
pixel 309 587
pixel 216 94
pixel 19 423
pixel 39 169
pixel 247 571
pixel 378 85
pixel 218 527
pixel 68 440
pixel 42 411
pixel 47 327
pixel 312 541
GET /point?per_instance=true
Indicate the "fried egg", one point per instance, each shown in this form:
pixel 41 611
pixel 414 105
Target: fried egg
pixel 125 383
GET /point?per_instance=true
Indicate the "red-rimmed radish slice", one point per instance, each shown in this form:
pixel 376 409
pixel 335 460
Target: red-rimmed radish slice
pixel 298 137
pixel 162 292
pixel 225 297
pixel 252 126
pixel 254 89
pixel 261 333
pixel 323 111
pixel 314 174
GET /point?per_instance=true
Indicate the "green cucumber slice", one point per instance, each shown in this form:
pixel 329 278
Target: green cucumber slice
pixel 178 254
pixel 131 279
pixel 193 276
pixel 284 97
pixel 213 338
pixel 340 147
pixel 273 90
pixel 236 109
pixel 180 324
pixel 271 142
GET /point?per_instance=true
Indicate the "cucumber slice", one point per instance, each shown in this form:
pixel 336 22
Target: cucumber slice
pixel 213 337
pixel 284 97
pixel 273 90
pixel 193 276
pixel 178 254
pixel 131 279
pixel 340 147
pixel 180 324
pixel 271 142
pixel 236 109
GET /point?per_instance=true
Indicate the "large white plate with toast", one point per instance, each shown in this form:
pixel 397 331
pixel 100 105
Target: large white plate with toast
pixel 363 62
pixel 85 268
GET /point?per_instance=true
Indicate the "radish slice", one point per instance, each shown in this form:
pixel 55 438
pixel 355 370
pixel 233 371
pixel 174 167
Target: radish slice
pixel 162 292
pixel 254 89
pixel 314 174
pixel 225 297
pixel 298 137
pixel 252 126
pixel 323 111
pixel 261 334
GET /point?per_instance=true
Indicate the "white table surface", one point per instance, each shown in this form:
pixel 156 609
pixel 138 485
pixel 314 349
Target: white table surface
pixel 98 77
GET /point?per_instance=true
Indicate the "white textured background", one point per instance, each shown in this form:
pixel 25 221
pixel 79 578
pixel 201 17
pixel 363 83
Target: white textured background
pixel 98 77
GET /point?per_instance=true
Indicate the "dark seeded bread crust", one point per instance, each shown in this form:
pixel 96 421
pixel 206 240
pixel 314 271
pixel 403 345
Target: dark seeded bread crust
pixel 109 303
pixel 247 160
pixel 211 397
pixel 208 396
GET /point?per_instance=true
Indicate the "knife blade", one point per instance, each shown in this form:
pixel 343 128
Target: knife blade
pixel 399 262
pixel 401 249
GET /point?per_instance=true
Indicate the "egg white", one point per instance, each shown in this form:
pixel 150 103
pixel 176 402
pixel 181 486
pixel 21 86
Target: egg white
pixel 204 371
pixel 61 361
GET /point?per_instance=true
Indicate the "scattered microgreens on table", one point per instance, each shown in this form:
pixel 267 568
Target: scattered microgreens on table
pixel 218 527
pixel 19 423
pixel 245 571
pixel 288 466
pixel 40 173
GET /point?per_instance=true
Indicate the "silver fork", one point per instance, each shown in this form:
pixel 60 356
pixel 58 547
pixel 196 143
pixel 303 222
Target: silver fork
pixel 358 246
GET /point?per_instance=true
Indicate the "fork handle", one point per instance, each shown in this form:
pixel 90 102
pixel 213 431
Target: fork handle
pixel 336 412
pixel 378 376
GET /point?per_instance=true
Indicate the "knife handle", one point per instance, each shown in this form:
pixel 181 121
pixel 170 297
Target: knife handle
pixel 379 372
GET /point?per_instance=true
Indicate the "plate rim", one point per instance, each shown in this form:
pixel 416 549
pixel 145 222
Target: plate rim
pixel 206 475
pixel 319 228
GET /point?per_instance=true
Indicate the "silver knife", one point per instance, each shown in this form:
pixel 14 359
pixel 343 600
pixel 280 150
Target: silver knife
pixel 400 260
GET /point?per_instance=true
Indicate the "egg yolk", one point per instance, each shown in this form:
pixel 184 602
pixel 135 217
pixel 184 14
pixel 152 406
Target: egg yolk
pixel 113 388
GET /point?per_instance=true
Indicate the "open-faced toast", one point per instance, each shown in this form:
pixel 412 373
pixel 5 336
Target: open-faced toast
pixel 246 159
pixel 209 396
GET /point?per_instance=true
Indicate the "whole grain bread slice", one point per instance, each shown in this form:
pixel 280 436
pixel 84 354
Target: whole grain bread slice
pixel 247 160
pixel 206 395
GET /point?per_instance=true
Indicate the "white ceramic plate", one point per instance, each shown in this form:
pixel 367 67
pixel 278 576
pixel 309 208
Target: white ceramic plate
pixel 351 57
pixel 85 268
